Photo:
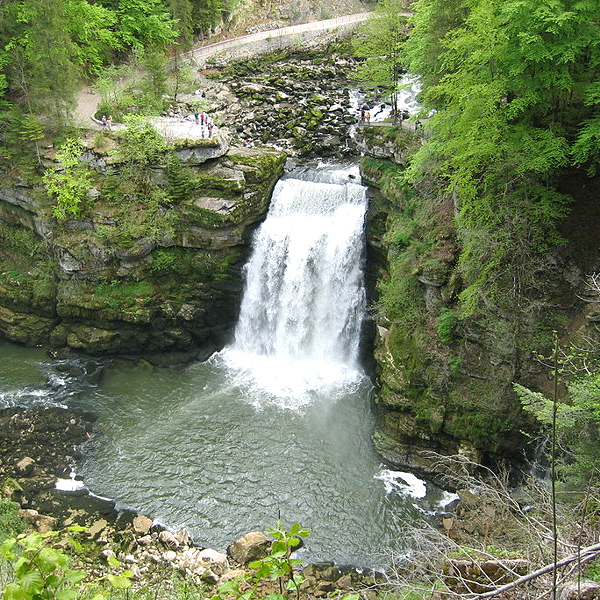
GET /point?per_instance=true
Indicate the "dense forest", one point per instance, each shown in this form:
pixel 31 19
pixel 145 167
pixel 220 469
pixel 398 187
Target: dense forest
pixel 496 197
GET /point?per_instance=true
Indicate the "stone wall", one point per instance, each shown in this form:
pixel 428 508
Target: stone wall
pixel 289 38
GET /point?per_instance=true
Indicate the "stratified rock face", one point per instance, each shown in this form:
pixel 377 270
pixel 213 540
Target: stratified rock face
pixel 112 283
pixel 440 392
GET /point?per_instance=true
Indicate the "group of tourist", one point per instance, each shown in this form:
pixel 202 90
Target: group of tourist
pixel 106 122
pixel 205 122
pixel 403 115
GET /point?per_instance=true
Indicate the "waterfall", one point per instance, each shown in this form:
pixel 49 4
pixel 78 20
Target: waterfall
pixel 299 326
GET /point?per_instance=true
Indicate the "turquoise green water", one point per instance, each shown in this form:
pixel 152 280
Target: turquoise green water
pixel 194 447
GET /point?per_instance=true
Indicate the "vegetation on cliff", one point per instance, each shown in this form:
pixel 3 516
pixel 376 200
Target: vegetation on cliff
pixel 513 90
pixel 486 220
pixel 113 220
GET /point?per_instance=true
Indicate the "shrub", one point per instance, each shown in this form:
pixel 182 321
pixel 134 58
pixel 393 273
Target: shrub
pixel 447 323
pixel 10 523
pixel 68 183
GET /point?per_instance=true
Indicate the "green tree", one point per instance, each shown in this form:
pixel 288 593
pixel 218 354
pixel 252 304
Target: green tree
pixel 209 13
pixel 141 147
pixel 380 45
pixel 91 28
pixel 144 23
pixel 69 182
pixel 505 80
pixel 39 56
pixel 153 63
pixel 431 22
pixel 181 11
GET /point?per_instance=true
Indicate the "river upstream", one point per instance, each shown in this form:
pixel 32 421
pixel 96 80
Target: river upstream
pixel 277 424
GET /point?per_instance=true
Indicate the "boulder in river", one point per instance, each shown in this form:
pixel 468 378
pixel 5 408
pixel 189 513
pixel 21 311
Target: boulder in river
pixel 252 546
pixel 168 539
pixel 142 524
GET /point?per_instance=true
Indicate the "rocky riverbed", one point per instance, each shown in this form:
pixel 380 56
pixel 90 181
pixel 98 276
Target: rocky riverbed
pixel 297 101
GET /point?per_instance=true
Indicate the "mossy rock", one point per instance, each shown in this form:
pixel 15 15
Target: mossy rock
pixel 262 164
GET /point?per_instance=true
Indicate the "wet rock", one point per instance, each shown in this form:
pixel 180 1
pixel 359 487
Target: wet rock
pixel 142 524
pixel 105 554
pixel 323 588
pixel 217 560
pixel 209 577
pixel 191 560
pixel 326 571
pixel 344 582
pixel 97 527
pixel 145 540
pixel 25 466
pixel 41 523
pixel 183 536
pixel 468 498
pixel 232 574
pixel 45 523
pixel 252 546
pixel 168 539
pixel 470 576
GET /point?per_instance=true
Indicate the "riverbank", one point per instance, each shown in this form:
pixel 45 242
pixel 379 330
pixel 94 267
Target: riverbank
pixel 485 538
pixel 39 446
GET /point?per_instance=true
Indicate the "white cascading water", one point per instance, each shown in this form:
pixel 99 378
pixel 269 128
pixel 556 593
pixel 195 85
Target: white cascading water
pixel 299 327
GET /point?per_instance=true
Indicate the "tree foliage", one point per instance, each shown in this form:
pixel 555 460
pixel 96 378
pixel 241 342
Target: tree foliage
pixel 144 23
pixel 380 44
pixel 514 88
pixel 38 55
pixel 45 47
pixel 578 426
pixel 68 183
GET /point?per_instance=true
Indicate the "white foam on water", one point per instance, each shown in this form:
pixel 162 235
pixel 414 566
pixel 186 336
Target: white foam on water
pixel 447 498
pixel 289 383
pixel 69 485
pixel 28 397
pixel 410 87
pixel 403 483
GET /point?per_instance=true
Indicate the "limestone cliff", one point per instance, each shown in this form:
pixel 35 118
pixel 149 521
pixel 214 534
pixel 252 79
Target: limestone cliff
pixel 444 381
pixel 130 276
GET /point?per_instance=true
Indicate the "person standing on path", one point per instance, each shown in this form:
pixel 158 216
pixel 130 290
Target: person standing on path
pixel 210 128
pixel 109 123
pixel 196 117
